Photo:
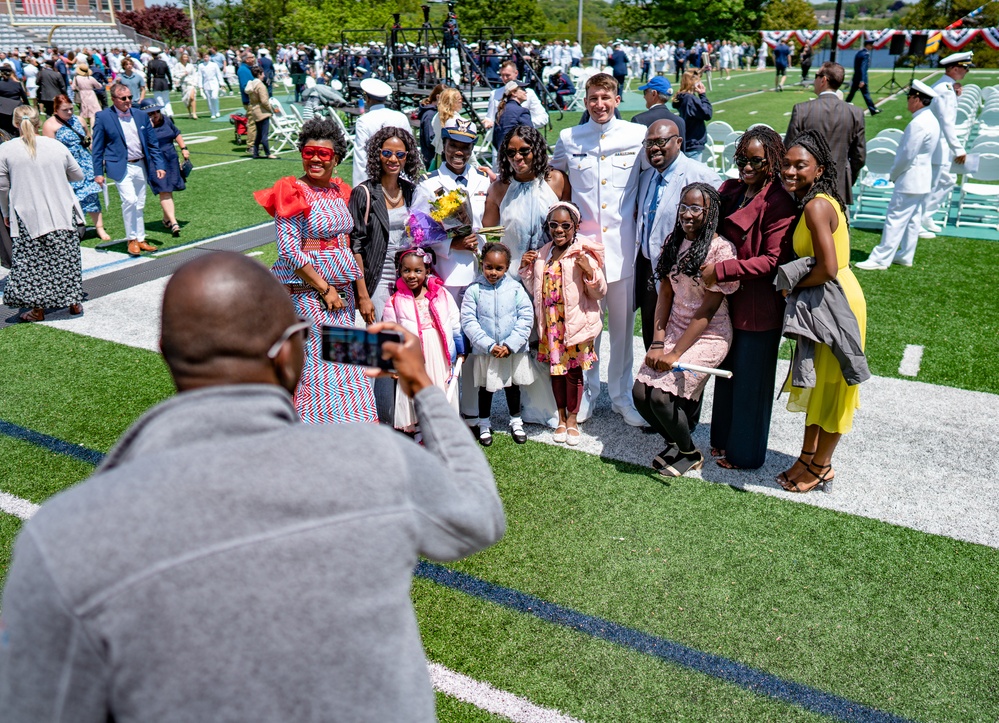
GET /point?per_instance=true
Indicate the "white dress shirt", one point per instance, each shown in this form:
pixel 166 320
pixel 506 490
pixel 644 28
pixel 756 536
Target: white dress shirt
pixel 131 133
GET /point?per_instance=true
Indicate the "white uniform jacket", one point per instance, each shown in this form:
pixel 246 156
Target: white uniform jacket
pixel 683 172
pixel 603 163
pixel 456 268
pixel 539 116
pixel 911 172
pixel 944 107
pixel 377 117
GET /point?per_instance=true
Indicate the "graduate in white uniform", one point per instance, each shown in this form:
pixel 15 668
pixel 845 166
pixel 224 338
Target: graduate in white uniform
pixel 456 261
pixel 603 159
pixel 911 175
pixel 374 119
pixel 949 149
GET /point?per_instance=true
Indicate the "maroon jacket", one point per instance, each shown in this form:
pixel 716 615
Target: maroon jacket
pixel 762 234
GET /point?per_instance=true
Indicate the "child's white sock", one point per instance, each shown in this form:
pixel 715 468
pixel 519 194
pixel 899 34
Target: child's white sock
pixel 516 424
pixel 485 424
pixel 472 421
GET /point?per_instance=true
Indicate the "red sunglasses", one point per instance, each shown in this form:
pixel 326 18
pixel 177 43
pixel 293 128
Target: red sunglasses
pixel 323 154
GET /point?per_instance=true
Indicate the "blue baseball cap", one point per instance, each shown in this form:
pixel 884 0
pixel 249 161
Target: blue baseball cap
pixel 658 84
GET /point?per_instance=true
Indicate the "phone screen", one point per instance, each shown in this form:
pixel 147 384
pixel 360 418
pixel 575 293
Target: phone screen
pixel 348 345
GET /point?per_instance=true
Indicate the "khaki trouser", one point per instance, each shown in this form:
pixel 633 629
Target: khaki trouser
pixel 251 128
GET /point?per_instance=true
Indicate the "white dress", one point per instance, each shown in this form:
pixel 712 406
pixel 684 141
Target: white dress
pixel 439 371
pixel 30 80
pixel 522 215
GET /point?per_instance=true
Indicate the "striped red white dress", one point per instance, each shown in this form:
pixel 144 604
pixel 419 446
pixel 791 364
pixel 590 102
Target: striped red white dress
pixel 327 393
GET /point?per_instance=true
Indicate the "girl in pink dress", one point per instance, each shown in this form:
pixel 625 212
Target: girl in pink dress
pixel 692 325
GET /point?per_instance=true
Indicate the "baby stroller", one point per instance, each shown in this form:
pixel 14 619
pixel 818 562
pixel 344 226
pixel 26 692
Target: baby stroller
pixel 238 121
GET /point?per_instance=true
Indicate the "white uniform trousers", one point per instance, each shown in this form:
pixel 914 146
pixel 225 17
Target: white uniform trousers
pixel 901 232
pixel 942 184
pixel 163 96
pixel 132 189
pixel 619 305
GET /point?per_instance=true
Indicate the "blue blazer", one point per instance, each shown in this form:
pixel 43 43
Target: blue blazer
pixel 108 148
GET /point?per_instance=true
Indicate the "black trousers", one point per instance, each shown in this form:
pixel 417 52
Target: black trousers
pixel 740 415
pixel 620 82
pixel 645 297
pixel 262 140
pixel 673 418
pixel 865 91
pixel 512 401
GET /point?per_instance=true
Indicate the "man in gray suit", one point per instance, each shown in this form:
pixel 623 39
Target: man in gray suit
pixel 842 125
pixel 659 190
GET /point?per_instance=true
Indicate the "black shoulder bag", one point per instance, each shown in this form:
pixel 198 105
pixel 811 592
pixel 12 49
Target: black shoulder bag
pixel 84 139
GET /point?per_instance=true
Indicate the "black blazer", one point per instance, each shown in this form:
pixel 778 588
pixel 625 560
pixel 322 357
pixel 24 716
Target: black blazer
pixel 370 239
pixel 842 125
pixel 661 112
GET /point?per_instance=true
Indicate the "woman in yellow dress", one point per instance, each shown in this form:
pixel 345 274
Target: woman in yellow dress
pixel 822 232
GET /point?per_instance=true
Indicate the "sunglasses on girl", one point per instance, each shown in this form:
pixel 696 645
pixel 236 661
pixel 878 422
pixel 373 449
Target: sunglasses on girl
pixel 757 163
pixel 401 155
pixel 692 210
pixel 555 225
pixel 323 154
pixel 523 152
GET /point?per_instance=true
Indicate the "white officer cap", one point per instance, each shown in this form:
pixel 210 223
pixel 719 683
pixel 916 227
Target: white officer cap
pixel 962 59
pixel 376 88
pixel 923 89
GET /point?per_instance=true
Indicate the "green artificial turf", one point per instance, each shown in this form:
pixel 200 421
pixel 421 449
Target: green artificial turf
pixel 9 527
pixel 452 710
pixel 34 473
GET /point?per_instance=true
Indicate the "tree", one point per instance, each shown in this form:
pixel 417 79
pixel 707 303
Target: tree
pixel 166 22
pixel 789 15
pixel 687 21
pixel 526 17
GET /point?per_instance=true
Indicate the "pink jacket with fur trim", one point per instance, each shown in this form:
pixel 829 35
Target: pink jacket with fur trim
pixel 580 298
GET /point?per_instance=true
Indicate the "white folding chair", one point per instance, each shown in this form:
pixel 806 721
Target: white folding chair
pixel 348 136
pixel 981 199
pixel 719 130
pixel 727 160
pixel 874 188
pixel 895 133
pixel 760 125
pixel 733 137
pixel 882 142
pixel 985 144
pixel 284 127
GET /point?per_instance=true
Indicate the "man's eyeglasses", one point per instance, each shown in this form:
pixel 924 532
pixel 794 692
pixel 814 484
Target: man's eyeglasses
pixel 692 210
pixel 523 152
pixel 323 154
pixel 757 163
pixel 651 143
pixel 124 97
pixel 303 325
pixel 401 155
pixel 555 225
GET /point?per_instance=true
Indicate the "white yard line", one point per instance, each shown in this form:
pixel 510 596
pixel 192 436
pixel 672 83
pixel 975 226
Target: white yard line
pixel 911 359
pixel 16 506
pixel 496 701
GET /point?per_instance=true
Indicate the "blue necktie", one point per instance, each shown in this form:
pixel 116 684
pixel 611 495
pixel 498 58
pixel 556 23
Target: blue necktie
pixel 650 217
pixel 461 181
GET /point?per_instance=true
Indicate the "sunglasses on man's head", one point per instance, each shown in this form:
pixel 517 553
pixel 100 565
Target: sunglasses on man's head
pixel 323 154
pixel 523 152
pixel 555 225
pixel 401 155
pixel 757 163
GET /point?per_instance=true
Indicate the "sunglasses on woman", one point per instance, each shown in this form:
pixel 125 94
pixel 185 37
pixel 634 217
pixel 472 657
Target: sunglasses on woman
pixel 323 154
pixel 523 152
pixel 401 155
pixel 555 225
pixel 757 163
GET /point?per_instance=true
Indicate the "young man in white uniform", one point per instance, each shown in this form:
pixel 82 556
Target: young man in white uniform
pixel 374 119
pixel 603 159
pixel 508 72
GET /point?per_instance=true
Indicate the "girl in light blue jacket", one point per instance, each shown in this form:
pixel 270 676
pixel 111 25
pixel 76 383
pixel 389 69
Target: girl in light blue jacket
pixel 497 316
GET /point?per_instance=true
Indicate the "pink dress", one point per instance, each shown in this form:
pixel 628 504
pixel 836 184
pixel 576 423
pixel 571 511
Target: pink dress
pixel 712 346
pixel 85 85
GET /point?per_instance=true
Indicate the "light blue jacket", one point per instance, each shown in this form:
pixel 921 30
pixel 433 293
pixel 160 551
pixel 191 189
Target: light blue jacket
pixel 500 314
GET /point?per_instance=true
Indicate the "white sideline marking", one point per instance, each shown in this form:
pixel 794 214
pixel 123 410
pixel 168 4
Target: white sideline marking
pixel 484 696
pixel 200 139
pixel 911 358
pixel 256 253
pixel 16 506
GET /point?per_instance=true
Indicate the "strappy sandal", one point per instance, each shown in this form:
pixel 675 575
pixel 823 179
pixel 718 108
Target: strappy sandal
pixel 783 480
pixel 665 458
pixel 175 229
pixel 686 462
pixel 36 314
pixel 821 473
pixel 725 464
pixel 715 452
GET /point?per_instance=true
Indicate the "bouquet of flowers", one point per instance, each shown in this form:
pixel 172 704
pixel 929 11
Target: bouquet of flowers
pixel 423 229
pixel 453 211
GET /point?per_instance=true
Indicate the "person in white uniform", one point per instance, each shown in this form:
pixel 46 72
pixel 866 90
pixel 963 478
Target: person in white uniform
pixel 374 119
pixel 603 159
pixel 599 56
pixel 508 72
pixel 949 149
pixel 911 175
pixel 456 260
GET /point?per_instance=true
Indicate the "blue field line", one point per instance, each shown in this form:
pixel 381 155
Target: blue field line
pixel 53 444
pixel 751 679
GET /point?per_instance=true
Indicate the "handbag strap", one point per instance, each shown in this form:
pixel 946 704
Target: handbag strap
pixel 82 136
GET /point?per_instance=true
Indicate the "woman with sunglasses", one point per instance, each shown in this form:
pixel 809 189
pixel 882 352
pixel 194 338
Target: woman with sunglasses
pixel 757 215
pixel 380 209
pixel 317 267
pixel 526 188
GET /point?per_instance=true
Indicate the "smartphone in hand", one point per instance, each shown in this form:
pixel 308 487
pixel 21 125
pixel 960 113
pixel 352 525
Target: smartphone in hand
pixel 348 345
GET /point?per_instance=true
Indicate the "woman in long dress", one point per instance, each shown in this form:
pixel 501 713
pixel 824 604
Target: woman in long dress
pixel 315 263
pixel 186 73
pixel 86 87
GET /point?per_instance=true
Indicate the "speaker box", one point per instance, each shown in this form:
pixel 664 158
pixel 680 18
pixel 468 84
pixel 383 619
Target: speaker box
pixel 897 46
pixel 917 46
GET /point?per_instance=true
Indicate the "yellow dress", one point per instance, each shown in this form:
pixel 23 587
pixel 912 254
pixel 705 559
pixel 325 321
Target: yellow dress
pixel 832 402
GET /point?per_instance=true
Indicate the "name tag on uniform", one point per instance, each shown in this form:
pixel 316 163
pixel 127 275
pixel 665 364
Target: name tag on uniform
pixel 625 153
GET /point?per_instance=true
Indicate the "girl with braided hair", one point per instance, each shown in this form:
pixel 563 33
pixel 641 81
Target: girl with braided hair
pixel 757 215
pixel 821 233
pixel 692 325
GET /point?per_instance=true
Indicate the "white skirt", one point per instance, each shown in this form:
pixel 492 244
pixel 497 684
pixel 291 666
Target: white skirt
pixel 439 371
pixel 495 374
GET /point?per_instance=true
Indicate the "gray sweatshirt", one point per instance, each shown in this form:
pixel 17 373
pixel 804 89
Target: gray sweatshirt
pixel 226 563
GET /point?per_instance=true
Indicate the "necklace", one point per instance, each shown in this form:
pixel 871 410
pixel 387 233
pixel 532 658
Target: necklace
pixel 392 200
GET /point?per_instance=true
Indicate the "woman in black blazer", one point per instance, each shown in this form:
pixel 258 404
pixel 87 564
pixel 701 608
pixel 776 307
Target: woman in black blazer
pixel 380 208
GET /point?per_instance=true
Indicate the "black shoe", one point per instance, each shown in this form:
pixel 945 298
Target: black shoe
pixel 876 111
pixel 486 437
pixel 519 435
pixel 682 464
pixel 665 458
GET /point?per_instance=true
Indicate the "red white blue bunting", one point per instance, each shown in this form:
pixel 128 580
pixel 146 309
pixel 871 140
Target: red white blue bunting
pixel 954 38
pixel 773 37
pixel 958 38
pixel 811 37
pixel 991 37
pixel 881 38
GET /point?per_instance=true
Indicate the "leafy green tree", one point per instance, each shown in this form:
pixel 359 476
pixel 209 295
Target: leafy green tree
pixel 686 20
pixel 927 14
pixel 789 15
pixel 526 17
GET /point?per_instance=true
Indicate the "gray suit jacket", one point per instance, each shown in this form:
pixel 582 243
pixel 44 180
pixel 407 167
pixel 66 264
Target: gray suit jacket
pixel 842 125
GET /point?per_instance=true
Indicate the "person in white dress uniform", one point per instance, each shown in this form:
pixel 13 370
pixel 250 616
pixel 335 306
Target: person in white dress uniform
pixel 508 72
pixel 603 159
pixel 374 119
pixel 911 174
pixel 456 259
pixel 949 149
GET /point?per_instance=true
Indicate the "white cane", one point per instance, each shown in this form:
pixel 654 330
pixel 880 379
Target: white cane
pixel 684 367
pixel 452 386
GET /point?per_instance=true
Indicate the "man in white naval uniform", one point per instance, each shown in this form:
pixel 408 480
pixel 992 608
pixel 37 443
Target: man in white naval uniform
pixel 456 263
pixel 508 72
pixel 603 159
pixel 911 176
pixel 949 149
pixel 374 119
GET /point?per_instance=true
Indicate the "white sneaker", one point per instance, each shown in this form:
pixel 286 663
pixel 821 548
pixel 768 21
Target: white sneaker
pixel 924 233
pixel 930 225
pixel 899 262
pixel 631 416
pixel 870 266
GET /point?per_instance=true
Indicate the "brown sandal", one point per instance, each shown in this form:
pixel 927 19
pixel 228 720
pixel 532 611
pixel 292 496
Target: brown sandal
pixel 786 482
pixel 725 464
pixel 36 314
pixel 715 452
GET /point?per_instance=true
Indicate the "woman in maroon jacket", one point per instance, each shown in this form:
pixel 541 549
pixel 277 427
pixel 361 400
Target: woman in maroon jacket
pixel 757 216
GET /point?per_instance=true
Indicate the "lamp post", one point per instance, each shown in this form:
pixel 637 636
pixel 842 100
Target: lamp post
pixel 579 25
pixel 835 40
pixel 194 27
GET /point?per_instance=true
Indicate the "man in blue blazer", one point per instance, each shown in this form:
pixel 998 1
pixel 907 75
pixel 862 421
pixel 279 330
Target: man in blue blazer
pixel 125 148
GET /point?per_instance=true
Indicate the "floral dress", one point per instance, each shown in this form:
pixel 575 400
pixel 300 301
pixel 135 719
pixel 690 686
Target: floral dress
pixel 551 347
pixel 87 191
